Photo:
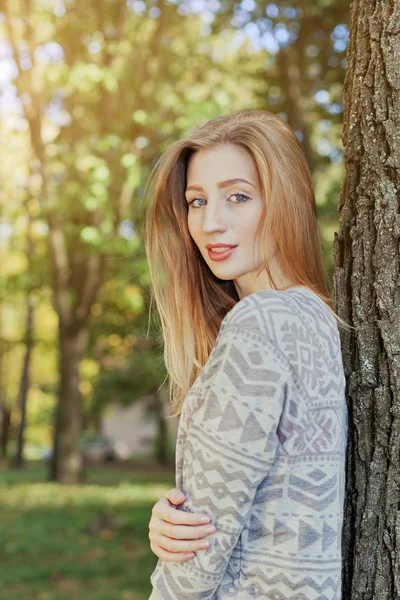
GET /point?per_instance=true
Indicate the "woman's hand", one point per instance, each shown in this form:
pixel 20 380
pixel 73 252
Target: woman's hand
pixel 176 535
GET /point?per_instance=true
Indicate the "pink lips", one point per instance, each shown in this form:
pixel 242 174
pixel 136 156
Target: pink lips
pixel 217 256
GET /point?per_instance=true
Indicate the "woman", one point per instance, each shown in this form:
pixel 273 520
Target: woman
pixel 253 351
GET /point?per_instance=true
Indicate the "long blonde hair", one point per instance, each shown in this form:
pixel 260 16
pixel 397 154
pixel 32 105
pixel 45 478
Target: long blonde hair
pixel 191 300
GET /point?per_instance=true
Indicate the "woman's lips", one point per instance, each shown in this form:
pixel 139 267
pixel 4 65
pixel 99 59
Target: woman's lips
pixel 220 255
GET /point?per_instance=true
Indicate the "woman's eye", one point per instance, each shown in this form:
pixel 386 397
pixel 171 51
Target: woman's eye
pixel 243 196
pixel 194 200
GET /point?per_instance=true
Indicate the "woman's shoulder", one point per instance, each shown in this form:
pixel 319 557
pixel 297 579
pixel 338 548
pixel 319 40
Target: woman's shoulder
pixel 259 311
pixel 293 318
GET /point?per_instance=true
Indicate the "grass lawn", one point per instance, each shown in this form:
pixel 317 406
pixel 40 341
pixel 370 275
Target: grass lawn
pixel 86 542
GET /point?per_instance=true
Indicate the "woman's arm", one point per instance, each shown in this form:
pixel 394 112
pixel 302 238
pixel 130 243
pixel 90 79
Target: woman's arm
pixel 229 450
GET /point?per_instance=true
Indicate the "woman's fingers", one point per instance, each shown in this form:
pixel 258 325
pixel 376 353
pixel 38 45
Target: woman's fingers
pixel 163 510
pixel 171 557
pixel 180 532
pixel 179 546
pixel 175 496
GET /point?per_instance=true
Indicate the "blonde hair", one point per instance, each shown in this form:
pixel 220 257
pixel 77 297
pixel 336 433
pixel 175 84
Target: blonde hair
pixel 191 300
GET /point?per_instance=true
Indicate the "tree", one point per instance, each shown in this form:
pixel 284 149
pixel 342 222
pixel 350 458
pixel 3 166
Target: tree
pixel 367 295
pixel 29 343
pixel 77 272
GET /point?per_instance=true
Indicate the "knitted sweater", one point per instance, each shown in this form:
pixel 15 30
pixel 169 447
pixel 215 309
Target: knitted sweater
pixel 261 449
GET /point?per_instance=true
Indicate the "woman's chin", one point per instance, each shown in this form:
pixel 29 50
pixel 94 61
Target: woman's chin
pixel 225 274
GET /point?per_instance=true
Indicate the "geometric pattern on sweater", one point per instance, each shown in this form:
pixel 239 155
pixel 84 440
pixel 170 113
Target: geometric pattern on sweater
pixel 261 449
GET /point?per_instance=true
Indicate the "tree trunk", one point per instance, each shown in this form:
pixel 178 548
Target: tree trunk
pixel 67 463
pixel 66 284
pixel 367 295
pixel 3 410
pixel 5 431
pixel 4 422
pixel 162 436
pixel 24 384
pixel 290 77
pixel 18 461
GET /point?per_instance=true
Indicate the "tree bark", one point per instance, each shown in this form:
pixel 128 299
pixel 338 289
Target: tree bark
pixel 367 295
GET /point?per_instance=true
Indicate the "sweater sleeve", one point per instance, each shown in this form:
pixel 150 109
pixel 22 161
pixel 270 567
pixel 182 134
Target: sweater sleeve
pixel 230 447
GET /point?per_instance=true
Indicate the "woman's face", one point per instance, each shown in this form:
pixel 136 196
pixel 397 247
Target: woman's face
pixel 225 206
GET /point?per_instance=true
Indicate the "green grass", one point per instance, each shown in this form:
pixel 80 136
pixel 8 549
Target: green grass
pixel 52 546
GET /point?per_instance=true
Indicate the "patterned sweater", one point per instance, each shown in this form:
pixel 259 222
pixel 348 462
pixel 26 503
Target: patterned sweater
pixel 261 450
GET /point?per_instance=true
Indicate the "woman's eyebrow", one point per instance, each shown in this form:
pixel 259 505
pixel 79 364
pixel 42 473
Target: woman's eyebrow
pixel 221 184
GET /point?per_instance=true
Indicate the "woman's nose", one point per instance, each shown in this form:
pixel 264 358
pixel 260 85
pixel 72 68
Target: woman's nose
pixel 213 219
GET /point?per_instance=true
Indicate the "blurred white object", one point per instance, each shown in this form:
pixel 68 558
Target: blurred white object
pixel 99 448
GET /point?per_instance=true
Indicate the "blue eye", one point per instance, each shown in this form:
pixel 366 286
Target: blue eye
pixel 245 199
pixel 243 196
pixel 191 202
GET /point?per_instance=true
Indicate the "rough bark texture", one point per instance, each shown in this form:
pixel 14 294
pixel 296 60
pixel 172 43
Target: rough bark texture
pixel 367 295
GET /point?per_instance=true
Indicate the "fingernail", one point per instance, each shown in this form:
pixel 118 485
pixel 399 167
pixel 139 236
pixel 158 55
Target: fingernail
pixel 210 529
pixel 204 520
pixel 204 545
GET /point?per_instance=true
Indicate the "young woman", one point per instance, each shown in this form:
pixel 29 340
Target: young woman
pixel 253 352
